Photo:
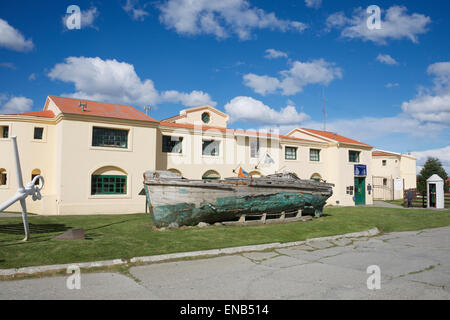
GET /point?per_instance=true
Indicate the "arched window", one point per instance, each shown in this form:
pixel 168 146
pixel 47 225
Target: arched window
pixel 109 180
pixel 211 175
pixel 255 174
pixel 3 177
pixel 175 171
pixel 316 177
pixel 34 173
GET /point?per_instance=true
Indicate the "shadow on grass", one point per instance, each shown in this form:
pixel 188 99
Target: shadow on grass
pixel 108 225
pixel 34 228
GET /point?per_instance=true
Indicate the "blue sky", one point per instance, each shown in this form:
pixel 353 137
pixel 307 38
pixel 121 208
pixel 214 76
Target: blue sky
pixel 266 63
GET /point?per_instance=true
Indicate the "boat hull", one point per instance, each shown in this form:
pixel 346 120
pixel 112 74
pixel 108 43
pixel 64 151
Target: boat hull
pixel 185 204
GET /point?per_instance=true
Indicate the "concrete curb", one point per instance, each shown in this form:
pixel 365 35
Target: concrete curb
pixel 172 256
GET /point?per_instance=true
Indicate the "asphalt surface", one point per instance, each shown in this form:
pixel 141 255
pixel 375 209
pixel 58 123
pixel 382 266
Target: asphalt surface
pixel 413 265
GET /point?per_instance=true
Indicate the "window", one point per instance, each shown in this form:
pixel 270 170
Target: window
pixel 384 182
pixel 34 173
pixel 102 184
pixel 38 133
pixel 172 144
pixel 211 175
pixel 3 177
pixel 254 148
pixel 290 153
pixel 205 117
pixel 384 163
pixel 314 154
pixel 210 148
pixel 353 156
pixel 105 137
pixel 4 132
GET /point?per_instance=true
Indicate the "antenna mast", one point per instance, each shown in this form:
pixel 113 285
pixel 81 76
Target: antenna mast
pixel 147 109
pixel 324 110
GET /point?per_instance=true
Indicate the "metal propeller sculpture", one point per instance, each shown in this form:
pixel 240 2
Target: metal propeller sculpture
pixel 22 192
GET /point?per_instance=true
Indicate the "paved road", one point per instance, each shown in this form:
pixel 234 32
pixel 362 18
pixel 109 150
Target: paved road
pixel 414 265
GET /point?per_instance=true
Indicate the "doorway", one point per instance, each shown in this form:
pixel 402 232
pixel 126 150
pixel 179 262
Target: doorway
pixel 432 195
pixel 360 191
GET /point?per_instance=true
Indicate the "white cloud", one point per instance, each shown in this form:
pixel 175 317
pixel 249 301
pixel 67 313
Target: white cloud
pixel 221 18
pixel 254 111
pixel 433 106
pixel 117 82
pixel 293 80
pixel 261 84
pixel 16 105
pixel 193 99
pixel 32 77
pixel 397 24
pixel 274 54
pixel 441 72
pixel 136 11
pixel 316 4
pixel 11 38
pixel 392 85
pixel 386 59
pixel 443 154
pixel 8 65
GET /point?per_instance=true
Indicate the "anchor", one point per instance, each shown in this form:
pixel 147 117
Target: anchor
pixel 22 192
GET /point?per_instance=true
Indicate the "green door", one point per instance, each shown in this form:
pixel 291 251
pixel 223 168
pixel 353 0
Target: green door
pixel 360 191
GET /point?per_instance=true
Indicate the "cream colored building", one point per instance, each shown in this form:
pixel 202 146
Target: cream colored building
pixel 93 155
pixel 392 174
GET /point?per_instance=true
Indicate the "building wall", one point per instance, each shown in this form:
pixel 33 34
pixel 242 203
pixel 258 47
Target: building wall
pixel 67 159
pixel 33 154
pixel 397 166
pixel 79 160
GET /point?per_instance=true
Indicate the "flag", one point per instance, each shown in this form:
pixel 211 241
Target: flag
pixel 242 173
pixel 268 159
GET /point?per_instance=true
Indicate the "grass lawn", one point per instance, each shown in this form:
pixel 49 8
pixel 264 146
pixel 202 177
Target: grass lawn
pixel 127 236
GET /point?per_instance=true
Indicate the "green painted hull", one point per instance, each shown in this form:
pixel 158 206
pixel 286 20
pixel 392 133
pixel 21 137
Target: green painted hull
pixel 232 207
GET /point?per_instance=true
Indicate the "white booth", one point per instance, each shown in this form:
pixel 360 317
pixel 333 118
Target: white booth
pixel 435 192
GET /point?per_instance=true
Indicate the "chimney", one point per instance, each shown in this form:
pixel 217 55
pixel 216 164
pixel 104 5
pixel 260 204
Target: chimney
pixel 83 106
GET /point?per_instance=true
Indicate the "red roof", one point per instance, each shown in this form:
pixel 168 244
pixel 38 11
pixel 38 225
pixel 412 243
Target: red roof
pixel 383 154
pixel 336 137
pixel 100 109
pixel 43 114
pixel 204 128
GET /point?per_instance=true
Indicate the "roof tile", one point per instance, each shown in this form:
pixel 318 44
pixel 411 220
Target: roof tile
pixel 100 109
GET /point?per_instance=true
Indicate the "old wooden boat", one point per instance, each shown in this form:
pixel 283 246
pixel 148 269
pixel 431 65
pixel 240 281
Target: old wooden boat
pixel 174 199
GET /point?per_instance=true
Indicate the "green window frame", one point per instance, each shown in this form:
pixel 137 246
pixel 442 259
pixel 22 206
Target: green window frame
pixel 290 153
pixel 106 184
pixel 172 144
pixel 314 155
pixel 38 133
pixel 5 132
pixel 210 148
pixel 353 156
pixel 111 138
